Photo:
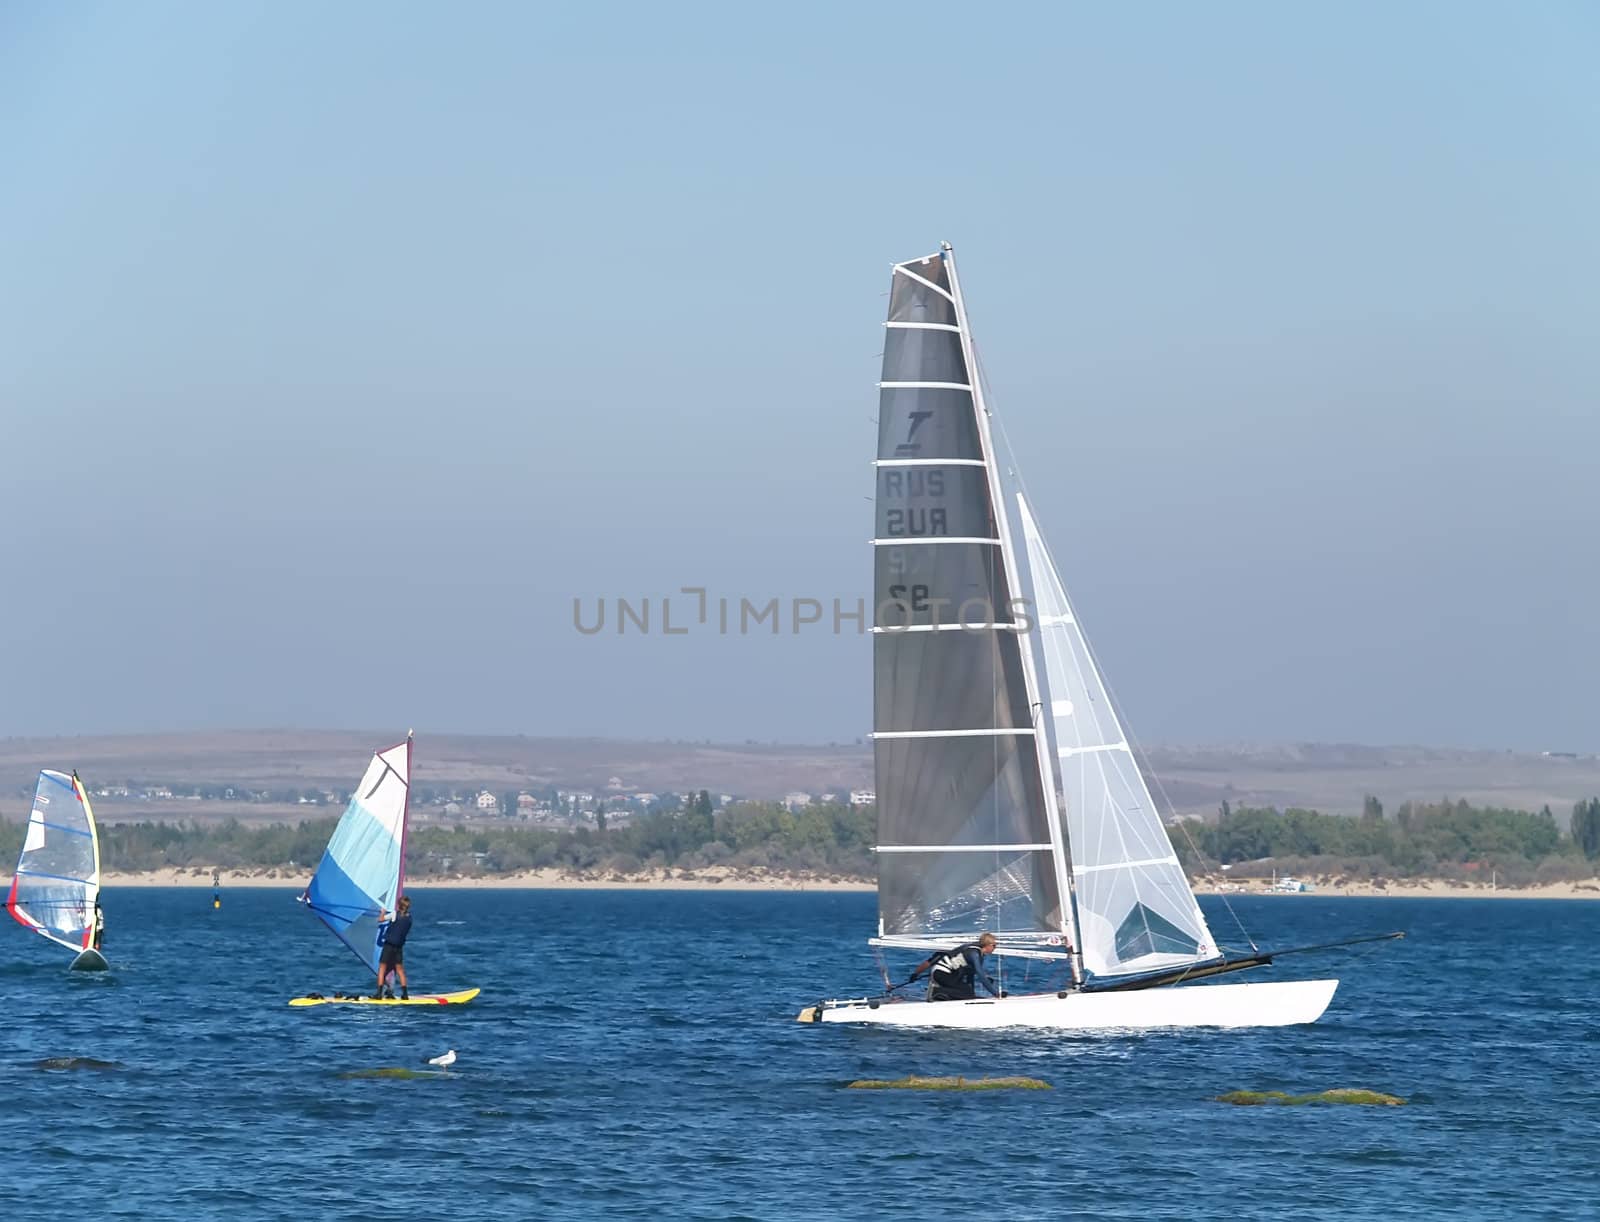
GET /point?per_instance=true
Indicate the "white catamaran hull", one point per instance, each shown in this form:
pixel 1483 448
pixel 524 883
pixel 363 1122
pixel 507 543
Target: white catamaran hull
pixel 1281 1004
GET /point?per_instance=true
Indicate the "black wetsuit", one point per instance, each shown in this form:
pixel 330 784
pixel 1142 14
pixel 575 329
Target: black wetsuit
pixel 394 941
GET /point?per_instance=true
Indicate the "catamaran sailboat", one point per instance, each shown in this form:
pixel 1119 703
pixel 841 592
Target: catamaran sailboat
pixel 359 880
pixel 56 889
pixel 1009 798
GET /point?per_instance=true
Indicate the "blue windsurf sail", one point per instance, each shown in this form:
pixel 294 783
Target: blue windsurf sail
pixel 364 864
pixel 57 880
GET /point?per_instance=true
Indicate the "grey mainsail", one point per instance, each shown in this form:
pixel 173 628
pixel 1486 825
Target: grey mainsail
pixel 965 840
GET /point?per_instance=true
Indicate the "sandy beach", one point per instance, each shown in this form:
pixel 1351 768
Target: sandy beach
pixel 722 878
pixel 1419 888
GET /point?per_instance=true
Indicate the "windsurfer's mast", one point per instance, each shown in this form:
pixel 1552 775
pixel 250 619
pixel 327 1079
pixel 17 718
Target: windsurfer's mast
pixel 94 839
pixel 405 822
pixel 1008 557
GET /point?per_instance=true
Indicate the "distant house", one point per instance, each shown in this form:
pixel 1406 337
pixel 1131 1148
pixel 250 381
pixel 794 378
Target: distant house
pixel 452 808
pixel 797 801
pixel 830 798
pixel 527 804
pixel 615 783
pixel 863 797
pixel 487 802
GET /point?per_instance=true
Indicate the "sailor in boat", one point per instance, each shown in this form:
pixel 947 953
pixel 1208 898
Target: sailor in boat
pixel 953 975
pixel 394 945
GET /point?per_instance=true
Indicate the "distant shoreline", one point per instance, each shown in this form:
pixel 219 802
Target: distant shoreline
pixel 714 879
pixel 1420 888
pixel 723 878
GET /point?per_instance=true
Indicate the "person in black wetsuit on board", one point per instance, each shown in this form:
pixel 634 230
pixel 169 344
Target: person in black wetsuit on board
pixel 953 975
pixel 99 924
pixel 392 957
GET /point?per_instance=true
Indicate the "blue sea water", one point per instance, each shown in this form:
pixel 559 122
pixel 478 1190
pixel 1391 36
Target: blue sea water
pixel 634 1054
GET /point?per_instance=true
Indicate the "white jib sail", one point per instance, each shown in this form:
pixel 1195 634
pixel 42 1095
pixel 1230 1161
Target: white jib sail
pixel 1136 911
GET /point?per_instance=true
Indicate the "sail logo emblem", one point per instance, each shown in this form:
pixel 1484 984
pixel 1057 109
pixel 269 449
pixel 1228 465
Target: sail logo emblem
pixel 910 445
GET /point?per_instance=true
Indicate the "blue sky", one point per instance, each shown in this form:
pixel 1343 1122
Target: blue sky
pixel 342 347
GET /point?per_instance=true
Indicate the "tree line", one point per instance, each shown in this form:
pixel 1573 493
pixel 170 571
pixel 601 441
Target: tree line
pixel 1435 840
pixel 832 839
pixel 1442 839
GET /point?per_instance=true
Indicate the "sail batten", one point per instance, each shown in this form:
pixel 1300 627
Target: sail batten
pixel 961 848
pixel 361 870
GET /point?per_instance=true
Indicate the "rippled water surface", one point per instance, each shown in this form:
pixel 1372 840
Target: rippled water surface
pixel 635 1054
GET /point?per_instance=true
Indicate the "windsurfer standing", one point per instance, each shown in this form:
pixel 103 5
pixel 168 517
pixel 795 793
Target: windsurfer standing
pixel 392 957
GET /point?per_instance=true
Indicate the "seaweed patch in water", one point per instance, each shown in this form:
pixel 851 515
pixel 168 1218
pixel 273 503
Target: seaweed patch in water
pixel 395 1072
pixel 916 1083
pixel 77 1063
pixel 1369 1098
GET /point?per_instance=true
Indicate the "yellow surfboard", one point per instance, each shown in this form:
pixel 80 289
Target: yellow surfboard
pixel 416 999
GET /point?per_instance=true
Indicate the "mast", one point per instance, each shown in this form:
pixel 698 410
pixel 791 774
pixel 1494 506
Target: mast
pixel 1014 584
pixel 94 829
pixel 94 839
pixel 405 821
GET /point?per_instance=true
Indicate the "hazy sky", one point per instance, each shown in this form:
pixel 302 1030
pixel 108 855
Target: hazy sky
pixel 343 346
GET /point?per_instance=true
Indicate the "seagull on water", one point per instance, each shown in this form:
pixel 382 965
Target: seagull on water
pixel 445 1060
